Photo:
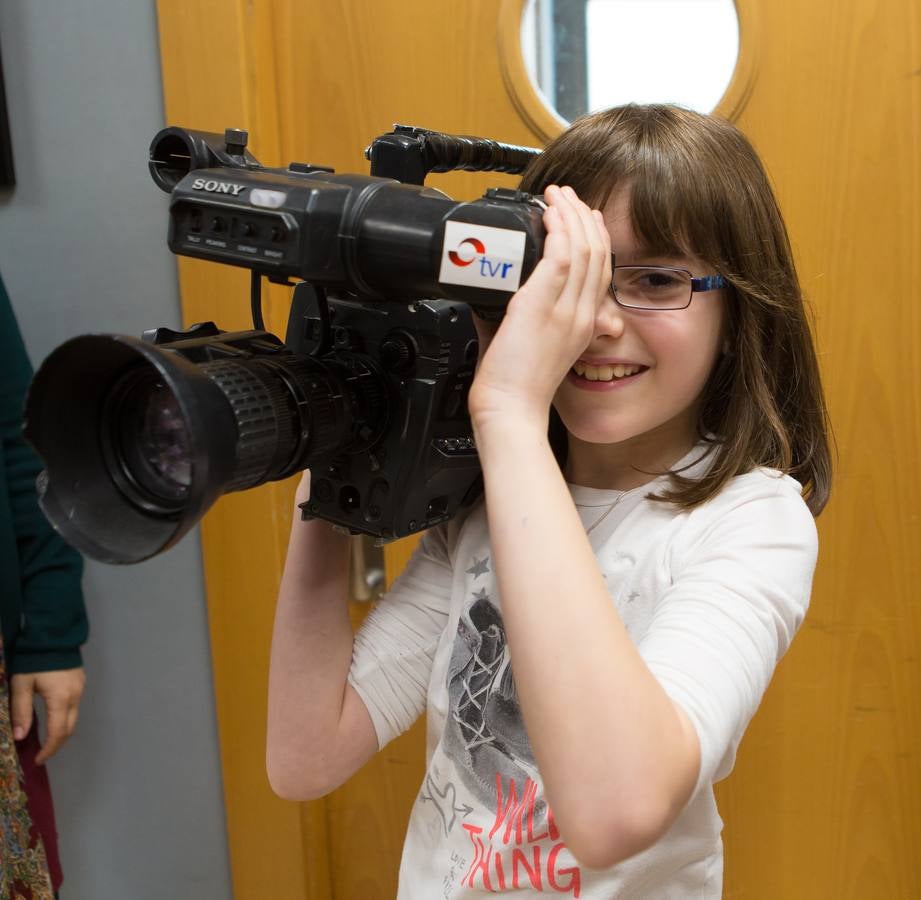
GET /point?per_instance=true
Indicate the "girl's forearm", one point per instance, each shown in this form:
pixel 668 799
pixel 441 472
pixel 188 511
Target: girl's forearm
pixel 617 758
pixel 310 657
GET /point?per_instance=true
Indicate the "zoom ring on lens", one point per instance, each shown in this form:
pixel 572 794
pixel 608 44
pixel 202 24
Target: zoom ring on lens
pixel 261 408
pixel 343 406
pixel 325 416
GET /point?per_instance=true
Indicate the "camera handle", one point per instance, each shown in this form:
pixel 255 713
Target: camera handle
pixel 255 296
pixel 308 332
pixel 408 154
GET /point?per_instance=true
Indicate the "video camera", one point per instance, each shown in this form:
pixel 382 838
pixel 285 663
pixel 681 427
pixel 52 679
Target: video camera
pixel 368 389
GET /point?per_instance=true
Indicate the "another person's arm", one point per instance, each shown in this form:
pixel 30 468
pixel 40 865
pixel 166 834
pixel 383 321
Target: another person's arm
pixel 50 621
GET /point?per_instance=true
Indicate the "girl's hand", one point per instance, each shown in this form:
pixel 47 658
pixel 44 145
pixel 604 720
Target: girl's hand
pixel 550 320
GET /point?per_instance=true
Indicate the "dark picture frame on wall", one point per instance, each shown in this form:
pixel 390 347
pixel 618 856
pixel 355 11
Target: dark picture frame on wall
pixel 7 174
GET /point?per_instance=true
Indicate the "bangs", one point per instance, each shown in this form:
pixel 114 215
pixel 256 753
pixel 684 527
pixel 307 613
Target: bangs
pixel 680 194
pixel 680 198
pixel 660 222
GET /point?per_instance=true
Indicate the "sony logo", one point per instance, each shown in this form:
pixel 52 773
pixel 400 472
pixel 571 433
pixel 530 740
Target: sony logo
pixel 217 187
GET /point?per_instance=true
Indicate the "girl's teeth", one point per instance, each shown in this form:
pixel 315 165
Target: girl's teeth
pixel 604 373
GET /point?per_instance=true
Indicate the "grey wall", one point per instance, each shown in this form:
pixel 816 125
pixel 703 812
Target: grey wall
pixel 82 248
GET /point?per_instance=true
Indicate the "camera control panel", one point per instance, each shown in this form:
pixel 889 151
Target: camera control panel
pixel 247 238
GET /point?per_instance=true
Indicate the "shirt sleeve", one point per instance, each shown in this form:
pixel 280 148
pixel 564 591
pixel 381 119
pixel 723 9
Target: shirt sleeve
pixel 51 624
pixel 739 591
pixel 394 648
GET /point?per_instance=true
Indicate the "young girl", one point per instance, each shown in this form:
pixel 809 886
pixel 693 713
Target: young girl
pixel 591 641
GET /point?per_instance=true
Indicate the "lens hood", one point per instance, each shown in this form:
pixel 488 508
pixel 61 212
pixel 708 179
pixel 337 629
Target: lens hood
pixel 88 490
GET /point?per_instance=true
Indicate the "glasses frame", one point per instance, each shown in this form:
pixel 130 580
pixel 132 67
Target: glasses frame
pixel 700 284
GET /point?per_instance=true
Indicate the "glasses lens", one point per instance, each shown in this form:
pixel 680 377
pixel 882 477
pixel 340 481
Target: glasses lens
pixel 652 287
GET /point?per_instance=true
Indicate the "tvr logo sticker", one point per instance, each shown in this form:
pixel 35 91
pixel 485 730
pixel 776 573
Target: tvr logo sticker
pixel 466 251
pixel 466 254
pixel 482 256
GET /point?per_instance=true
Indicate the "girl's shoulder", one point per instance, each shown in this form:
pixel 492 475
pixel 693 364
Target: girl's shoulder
pixel 758 485
pixel 763 483
pixel 762 503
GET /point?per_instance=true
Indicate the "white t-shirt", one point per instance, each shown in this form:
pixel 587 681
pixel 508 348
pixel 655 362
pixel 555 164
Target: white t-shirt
pixel 712 598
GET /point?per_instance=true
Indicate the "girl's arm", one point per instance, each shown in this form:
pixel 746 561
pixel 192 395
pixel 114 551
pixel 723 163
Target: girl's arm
pixel 319 731
pixel 618 758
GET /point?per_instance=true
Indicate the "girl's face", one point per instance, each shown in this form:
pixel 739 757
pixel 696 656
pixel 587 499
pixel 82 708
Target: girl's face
pixel 653 413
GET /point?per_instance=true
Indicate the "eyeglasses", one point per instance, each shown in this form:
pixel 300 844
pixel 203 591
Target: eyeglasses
pixel 659 287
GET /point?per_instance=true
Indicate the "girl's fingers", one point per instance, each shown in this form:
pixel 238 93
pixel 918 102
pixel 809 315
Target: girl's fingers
pixel 549 278
pixel 570 275
pixel 579 248
pixel 594 254
pixel 600 276
pixel 607 262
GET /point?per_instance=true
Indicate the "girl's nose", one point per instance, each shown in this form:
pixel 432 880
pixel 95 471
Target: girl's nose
pixel 610 319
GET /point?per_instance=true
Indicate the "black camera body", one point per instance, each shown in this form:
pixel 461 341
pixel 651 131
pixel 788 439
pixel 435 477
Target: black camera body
pixel 424 465
pixel 383 418
pixel 369 388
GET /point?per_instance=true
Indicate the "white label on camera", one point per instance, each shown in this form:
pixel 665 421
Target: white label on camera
pixel 266 198
pixel 482 256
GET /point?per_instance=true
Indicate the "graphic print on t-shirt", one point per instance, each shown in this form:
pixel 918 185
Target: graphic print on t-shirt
pixel 513 840
pixel 484 734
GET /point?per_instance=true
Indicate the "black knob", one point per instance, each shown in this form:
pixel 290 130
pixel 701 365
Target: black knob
pixel 397 353
pixel 235 140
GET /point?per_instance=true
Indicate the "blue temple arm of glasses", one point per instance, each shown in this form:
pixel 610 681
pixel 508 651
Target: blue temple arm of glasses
pixel 708 283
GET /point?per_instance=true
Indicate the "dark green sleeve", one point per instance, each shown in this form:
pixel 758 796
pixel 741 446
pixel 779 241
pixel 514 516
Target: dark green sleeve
pixel 41 573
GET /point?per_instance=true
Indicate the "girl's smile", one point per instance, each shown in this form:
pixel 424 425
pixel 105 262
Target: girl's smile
pixel 604 375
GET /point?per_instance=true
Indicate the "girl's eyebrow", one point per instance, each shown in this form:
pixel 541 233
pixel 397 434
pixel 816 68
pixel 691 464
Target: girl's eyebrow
pixel 644 257
pixel 639 253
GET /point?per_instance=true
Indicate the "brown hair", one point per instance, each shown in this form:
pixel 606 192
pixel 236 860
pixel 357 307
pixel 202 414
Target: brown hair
pixel 697 188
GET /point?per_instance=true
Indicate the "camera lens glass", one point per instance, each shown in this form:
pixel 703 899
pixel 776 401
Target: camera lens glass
pixel 147 441
pixel 163 441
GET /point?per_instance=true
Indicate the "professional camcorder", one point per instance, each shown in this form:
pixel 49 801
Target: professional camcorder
pixel 368 389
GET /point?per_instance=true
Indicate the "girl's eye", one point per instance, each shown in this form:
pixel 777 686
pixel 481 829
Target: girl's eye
pixel 651 287
pixel 657 280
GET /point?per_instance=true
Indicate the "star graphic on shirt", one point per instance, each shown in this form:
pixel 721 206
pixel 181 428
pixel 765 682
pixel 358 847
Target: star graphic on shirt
pixel 479 567
pixel 480 594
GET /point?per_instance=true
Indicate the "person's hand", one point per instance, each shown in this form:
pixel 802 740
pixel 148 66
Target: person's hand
pixel 550 320
pixel 60 692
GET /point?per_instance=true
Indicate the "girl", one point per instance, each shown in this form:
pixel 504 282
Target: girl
pixel 591 641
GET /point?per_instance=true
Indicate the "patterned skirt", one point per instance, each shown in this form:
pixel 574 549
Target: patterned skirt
pixel 23 866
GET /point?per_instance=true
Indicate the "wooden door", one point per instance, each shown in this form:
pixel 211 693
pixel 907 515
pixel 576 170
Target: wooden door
pixel 825 799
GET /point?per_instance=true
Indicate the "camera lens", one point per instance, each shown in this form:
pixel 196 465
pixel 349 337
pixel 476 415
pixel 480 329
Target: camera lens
pixel 148 446
pixel 163 442
pixel 139 441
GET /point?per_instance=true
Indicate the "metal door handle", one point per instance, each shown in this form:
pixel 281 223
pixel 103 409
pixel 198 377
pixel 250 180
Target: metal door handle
pixel 366 569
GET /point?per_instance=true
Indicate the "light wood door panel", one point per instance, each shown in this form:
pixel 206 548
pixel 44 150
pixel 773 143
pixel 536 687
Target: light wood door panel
pixel 825 799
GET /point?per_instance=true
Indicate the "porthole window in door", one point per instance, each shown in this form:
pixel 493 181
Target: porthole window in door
pixel 585 55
